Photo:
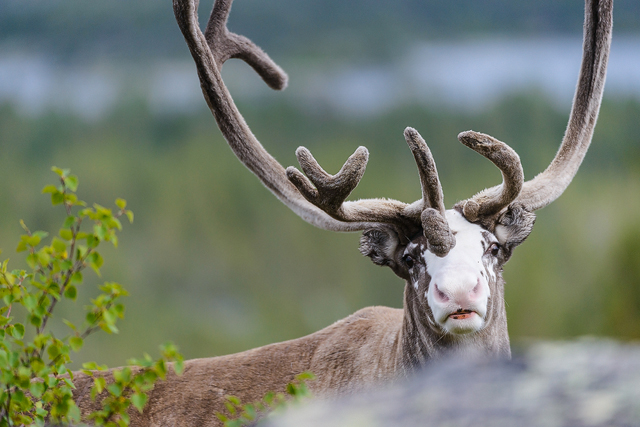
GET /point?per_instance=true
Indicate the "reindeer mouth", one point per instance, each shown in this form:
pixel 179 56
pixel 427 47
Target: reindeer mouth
pixel 462 314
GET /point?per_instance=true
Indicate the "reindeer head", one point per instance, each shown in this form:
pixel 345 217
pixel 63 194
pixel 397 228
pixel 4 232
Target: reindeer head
pixel 451 259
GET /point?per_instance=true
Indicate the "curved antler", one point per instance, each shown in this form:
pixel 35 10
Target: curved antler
pixel 209 55
pixel 492 200
pixel 550 184
pixel 432 196
pixel 320 198
pixel 434 224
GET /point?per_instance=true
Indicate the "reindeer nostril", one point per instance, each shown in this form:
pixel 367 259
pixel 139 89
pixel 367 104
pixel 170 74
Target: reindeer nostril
pixel 476 289
pixel 441 295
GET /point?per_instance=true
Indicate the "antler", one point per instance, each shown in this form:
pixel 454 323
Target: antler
pixel 209 55
pixel 550 184
pixel 491 201
pixel 319 198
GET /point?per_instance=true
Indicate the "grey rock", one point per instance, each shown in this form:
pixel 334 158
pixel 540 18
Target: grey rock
pixel 586 382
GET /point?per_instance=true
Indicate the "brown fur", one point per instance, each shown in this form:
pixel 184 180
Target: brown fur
pixel 373 345
pixel 349 355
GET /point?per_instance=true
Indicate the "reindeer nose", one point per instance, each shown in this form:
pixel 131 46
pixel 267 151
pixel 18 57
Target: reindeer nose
pixel 462 297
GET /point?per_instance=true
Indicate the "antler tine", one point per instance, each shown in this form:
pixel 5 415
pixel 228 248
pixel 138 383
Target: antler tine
pixel 432 194
pixel 434 223
pixel 491 201
pixel 226 45
pixel 329 192
pixel 550 184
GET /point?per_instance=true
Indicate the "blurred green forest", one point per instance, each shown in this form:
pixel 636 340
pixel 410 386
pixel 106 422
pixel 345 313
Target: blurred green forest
pixel 217 264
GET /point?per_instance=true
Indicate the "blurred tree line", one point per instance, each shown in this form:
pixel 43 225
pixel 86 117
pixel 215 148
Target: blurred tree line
pixel 138 28
pixel 216 264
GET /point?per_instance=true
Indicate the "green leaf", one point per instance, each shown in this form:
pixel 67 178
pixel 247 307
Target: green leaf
pixel 49 189
pixel 121 203
pixel 122 375
pixel 96 261
pixel 69 221
pixel 30 302
pixel 115 223
pixel 100 231
pixel 129 215
pixel 18 331
pixel 33 240
pixel 41 234
pixel 69 324
pixel 71 292
pixel 92 241
pixel 81 251
pixel 73 413
pixel 57 198
pixel 70 198
pixel 71 182
pixel 250 412
pixel 99 384
pixel 59 171
pixel 76 343
pixel 139 400
pixel 22 246
pixel 66 234
pixel 94 366
pixel 32 260
pixel 37 388
pixel 76 277
pixel 43 257
pixel 53 351
pixel 115 389
pixel 35 320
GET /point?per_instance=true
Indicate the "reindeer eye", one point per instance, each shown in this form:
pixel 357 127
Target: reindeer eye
pixel 408 260
pixel 494 249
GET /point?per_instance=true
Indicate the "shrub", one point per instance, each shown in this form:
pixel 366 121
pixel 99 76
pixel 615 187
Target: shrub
pixel 35 384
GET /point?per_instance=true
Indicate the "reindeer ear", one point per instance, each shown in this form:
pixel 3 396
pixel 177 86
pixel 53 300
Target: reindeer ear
pixel 513 227
pixel 383 245
pixel 380 244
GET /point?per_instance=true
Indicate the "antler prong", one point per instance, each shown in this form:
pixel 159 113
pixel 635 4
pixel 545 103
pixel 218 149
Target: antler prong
pixel 432 194
pixel 433 220
pixel 330 190
pixel 230 45
pixel 491 201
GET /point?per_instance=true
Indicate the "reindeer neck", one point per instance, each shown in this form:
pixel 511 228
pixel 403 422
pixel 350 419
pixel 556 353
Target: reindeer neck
pixel 420 341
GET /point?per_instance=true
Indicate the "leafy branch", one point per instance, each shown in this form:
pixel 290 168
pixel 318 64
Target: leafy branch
pixel 248 414
pixel 35 385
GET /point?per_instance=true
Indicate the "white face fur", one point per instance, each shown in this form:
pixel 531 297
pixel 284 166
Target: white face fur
pixel 457 286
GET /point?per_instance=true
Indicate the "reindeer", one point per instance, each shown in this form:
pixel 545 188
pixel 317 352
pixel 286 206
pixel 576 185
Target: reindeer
pixel 451 260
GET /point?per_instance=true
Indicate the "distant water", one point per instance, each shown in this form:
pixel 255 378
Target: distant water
pixel 466 75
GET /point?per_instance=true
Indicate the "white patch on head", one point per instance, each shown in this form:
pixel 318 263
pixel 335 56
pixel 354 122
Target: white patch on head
pixel 410 248
pixel 457 281
pixel 502 233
